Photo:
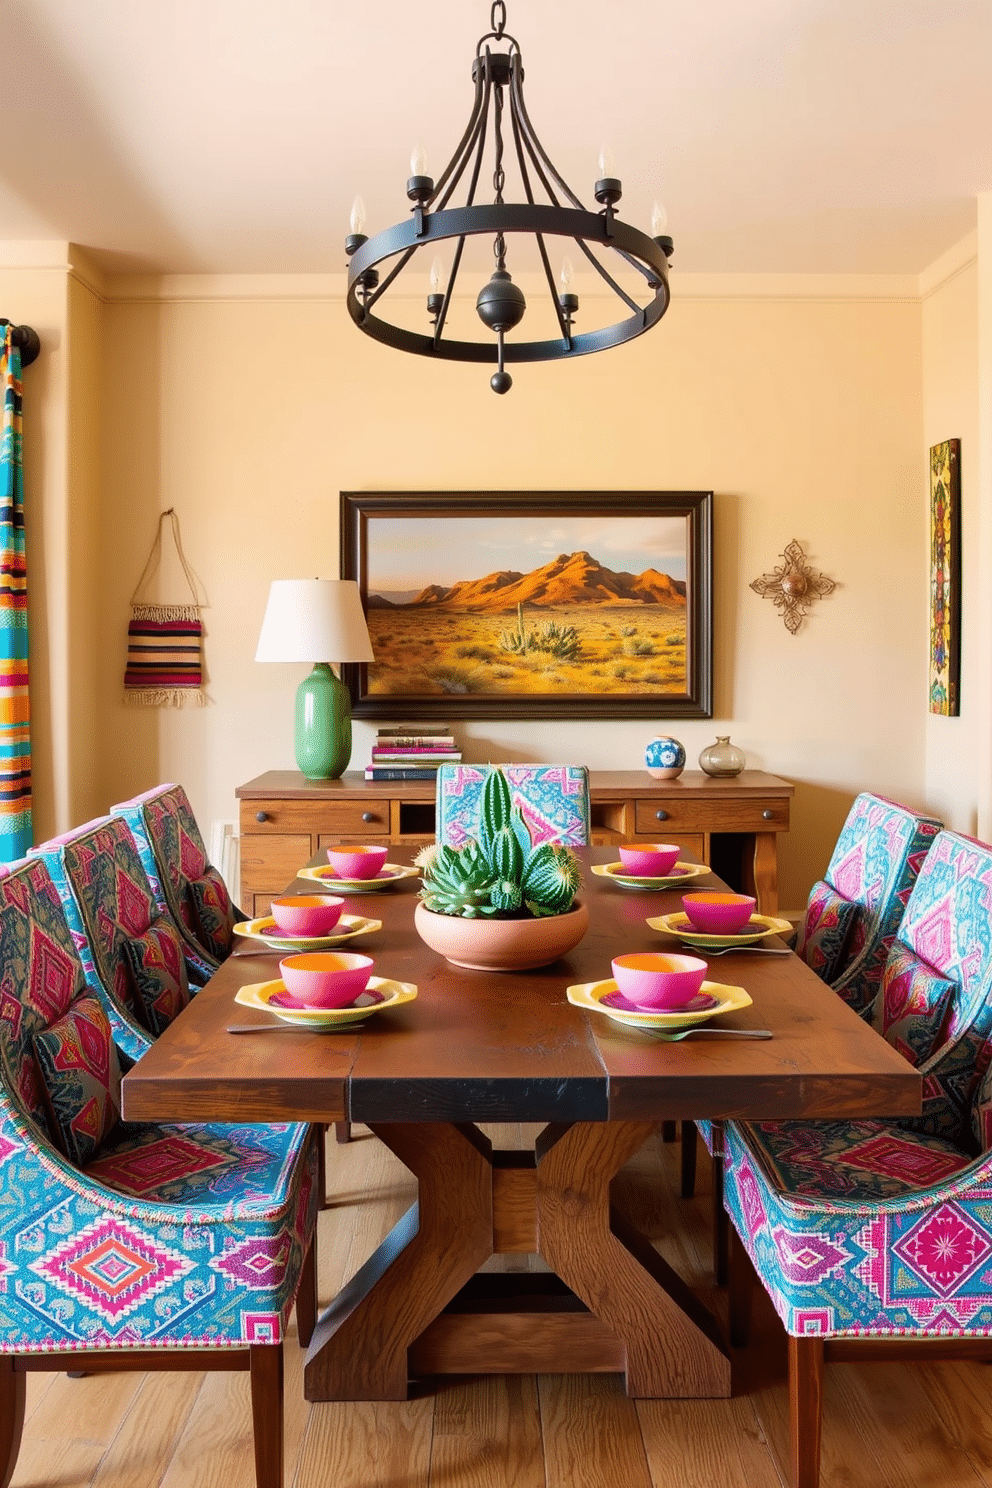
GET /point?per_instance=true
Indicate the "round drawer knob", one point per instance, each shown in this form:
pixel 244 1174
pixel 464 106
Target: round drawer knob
pixel 768 815
pixel 368 816
pixel 261 816
pixel 661 816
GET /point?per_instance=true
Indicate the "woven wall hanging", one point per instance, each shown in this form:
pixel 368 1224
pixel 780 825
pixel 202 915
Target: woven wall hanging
pixel 165 641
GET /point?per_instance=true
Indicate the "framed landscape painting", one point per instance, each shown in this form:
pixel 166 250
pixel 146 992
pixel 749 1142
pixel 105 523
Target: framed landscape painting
pixel 520 604
pixel 945 577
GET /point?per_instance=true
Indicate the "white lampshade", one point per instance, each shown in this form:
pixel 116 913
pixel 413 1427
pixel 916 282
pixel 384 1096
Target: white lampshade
pixel 314 620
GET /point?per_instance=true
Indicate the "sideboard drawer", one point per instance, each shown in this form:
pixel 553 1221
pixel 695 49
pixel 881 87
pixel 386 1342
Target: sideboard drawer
pixel 340 819
pixel 660 817
pixel 269 863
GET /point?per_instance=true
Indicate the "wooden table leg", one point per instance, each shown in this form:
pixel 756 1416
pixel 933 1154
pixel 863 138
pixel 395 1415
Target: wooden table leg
pixel 763 874
pixel 390 1321
pixel 359 1346
pixel 673 1345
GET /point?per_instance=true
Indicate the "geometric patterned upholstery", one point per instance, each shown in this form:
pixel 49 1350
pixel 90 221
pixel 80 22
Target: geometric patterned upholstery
pixel 78 1065
pixel 158 973
pixel 554 801
pixel 171 1237
pixel 875 1228
pixel 174 858
pixel 911 1004
pixel 213 912
pixel 873 866
pixel 827 927
pixel 110 909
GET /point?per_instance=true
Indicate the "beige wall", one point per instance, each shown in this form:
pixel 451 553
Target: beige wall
pixel 250 414
pixel 950 411
pixel 248 405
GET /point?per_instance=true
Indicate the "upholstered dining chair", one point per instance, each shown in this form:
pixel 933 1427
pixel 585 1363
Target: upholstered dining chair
pixel 553 799
pixel 854 911
pixel 171 849
pixel 851 920
pixel 874 1238
pixel 128 1246
pixel 130 948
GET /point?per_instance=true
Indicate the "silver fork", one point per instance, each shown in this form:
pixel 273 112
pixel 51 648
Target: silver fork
pixel 684 1033
pixel 733 950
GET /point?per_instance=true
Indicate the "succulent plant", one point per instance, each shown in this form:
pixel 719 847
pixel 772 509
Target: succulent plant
pixel 499 872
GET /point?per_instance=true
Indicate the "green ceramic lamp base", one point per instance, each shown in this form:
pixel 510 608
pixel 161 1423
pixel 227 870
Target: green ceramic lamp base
pixel 323 725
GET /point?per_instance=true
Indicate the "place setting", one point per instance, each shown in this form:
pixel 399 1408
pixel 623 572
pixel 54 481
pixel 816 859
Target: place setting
pixel 716 923
pixel 321 991
pixel 358 869
pixel 666 995
pixel 306 922
pixel 649 865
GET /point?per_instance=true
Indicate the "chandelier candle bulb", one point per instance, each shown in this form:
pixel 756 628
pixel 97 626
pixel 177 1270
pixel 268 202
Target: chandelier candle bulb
pixel 356 237
pixel 420 187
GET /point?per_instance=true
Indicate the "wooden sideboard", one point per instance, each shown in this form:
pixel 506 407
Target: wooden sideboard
pixel 732 824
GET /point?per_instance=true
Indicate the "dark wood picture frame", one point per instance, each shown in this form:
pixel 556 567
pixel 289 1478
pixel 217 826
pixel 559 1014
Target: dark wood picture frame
pixel 686 694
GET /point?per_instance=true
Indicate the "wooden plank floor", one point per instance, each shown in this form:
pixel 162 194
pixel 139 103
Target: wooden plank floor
pixel 886 1426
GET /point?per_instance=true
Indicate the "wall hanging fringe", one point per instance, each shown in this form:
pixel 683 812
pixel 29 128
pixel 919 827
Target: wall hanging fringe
pixel 165 641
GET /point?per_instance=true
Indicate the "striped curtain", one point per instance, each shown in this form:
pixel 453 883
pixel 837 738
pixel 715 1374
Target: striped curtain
pixel 15 729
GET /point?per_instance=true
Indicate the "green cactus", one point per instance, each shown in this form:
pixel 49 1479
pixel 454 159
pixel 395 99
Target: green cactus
pixel 500 872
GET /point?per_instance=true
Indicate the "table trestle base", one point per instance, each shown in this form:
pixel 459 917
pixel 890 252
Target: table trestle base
pixel 611 1305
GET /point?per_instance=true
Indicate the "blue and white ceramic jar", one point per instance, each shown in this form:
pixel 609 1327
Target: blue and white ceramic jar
pixel 664 758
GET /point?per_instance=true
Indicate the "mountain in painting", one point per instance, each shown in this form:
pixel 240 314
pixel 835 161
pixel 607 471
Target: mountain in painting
pixel 570 579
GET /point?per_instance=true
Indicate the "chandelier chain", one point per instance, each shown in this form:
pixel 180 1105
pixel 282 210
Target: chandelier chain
pixel 497 18
pixel 499 175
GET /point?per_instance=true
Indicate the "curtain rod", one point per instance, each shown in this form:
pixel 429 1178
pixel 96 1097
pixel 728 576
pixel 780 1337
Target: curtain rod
pixel 27 339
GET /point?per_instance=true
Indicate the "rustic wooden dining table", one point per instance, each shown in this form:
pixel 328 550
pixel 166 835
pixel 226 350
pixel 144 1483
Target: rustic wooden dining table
pixel 487 1047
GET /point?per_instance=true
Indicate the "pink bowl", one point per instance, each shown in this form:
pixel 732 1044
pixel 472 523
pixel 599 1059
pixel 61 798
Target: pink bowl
pixel 661 983
pixel 718 914
pixel 325 979
pixel 307 914
pixel 356 862
pixel 649 859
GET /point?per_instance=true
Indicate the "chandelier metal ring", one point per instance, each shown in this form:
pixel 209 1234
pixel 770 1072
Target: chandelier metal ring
pixel 471 221
pixel 500 304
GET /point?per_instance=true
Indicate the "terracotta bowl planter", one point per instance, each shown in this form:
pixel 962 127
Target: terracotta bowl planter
pixel 501 945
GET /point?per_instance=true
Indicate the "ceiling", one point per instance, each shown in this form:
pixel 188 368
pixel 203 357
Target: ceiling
pixel 230 136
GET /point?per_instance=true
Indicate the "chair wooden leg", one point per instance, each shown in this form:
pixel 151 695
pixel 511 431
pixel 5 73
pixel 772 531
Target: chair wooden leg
pixel 342 1130
pixel 741 1280
pixel 805 1409
pixel 12 1396
pixel 306 1296
pixel 721 1224
pixel 689 1139
pixel 267 1412
pixel 668 1131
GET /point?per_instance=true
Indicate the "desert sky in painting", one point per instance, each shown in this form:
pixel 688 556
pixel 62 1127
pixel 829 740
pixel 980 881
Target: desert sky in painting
pixel 405 556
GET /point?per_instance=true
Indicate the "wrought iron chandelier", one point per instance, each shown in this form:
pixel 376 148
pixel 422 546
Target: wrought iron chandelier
pixel 498 76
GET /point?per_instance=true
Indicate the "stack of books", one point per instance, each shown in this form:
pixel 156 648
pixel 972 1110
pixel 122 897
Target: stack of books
pixel 411 751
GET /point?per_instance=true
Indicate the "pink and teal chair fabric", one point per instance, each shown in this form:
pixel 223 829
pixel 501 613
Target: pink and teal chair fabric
pixel 851 921
pixel 186 884
pixel 174 1244
pixel 130 949
pixel 853 912
pixel 554 801
pixel 861 1230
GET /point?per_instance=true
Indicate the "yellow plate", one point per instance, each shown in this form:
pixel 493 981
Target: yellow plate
pixel 389 874
pixel 681 925
pixel 267 931
pixel 259 996
pixel 589 995
pixel 681 873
